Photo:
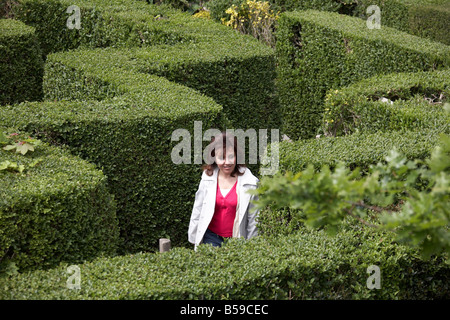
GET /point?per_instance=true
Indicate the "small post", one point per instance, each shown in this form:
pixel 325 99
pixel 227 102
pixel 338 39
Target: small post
pixel 164 245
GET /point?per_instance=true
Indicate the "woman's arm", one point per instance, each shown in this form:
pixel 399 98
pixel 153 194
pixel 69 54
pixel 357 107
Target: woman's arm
pixel 252 214
pixel 196 210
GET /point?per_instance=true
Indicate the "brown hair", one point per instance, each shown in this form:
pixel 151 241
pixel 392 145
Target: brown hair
pixel 225 140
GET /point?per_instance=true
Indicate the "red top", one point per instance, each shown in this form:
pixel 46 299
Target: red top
pixel 224 213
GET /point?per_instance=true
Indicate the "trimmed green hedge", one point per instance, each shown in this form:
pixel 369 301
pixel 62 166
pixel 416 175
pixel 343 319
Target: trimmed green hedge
pixel 318 51
pixel 131 113
pixel 242 81
pixel 414 101
pixel 236 70
pixel 356 150
pixel 305 265
pixel 104 23
pixel 57 209
pixel 21 64
pixel 428 19
pixel 127 134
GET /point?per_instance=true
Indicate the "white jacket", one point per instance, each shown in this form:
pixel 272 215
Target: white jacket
pixel 205 201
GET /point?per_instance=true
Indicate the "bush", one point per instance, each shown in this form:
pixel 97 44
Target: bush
pixel 205 50
pixel 127 134
pixel 118 23
pixel 54 207
pixel 319 51
pixel 218 7
pixel 428 19
pixel 356 150
pixel 412 101
pixel 21 56
pixel 304 265
pixel 131 113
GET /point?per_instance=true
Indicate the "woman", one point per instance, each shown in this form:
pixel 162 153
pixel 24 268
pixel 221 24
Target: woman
pixel 222 207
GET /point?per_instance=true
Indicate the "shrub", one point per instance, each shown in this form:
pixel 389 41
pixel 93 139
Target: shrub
pixel 319 51
pixel 118 23
pixel 132 114
pixel 255 18
pixel 205 50
pixel 356 150
pixel 128 134
pixel 304 265
pixel 21 56
pixel 393 102
pixel 407 197
pixel 55 208
pixel 429 19
pixel 218 7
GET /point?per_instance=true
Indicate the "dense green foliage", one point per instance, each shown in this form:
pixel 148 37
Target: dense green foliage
pixel 400 101
pixel 115 91
pixel 428 19
pixel 420 189
pixel 128 135
pixel 21 56
pixel 128 114
pixel 356 150
pixel 54 207
pixel 318 51
pixel 307 264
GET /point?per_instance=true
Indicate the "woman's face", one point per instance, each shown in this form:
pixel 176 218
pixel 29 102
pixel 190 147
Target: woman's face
pixel 227 162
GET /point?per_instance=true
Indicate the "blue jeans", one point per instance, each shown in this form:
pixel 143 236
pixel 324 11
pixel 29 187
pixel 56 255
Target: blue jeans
pixel 212 238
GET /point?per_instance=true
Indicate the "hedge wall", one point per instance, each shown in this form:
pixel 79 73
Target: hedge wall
pixel 428 19
pixel 236 70
pixel 132 113
pixel 128 134
pixel 355 150
pixel 305 265
pixel 21 56
pixel 392 102
pixel 104 23
pixel 318 51
pixel 57 209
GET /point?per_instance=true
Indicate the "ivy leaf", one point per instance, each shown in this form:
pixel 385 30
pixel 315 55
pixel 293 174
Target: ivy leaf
pixel 24 148
pixel 9 147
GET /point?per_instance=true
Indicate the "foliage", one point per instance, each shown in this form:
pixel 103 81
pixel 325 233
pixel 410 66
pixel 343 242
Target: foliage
pixel 326 197
pixel 21 144
pixel 428 19
pixel 307 264
pixel 255 18
pixel 399 101
pixel 54 207
pixel 21 56
pixel 321 51
pixel 113 107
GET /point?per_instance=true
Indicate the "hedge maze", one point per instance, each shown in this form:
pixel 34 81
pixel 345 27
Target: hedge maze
pixel 104 99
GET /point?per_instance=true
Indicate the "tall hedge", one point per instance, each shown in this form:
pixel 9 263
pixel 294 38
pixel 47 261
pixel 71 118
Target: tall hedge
pixel 57 209
pixel 127 134
pixel 236 70
pixel 428 19
pixel 133 113
pixel 21 63
pixel 318 51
